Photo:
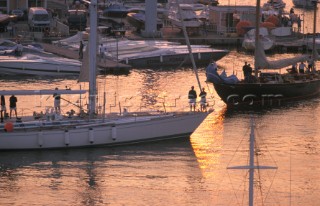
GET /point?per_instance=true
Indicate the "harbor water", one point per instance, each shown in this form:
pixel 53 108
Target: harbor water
pixel 190 171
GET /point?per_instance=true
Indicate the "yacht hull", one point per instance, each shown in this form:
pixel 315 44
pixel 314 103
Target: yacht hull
pixel 124 131
pixel 201 58
pixel 26 67
pixel 273 94
pixel 195 24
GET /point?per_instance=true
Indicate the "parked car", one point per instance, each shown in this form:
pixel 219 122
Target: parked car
pixel 38 19
pixel 19 13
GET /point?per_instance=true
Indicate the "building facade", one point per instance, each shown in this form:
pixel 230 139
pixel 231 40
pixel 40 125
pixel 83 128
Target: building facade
pixel 7 5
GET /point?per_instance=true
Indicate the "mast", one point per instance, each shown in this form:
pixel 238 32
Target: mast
pixel 92 57
pixel 314 31
pixel 257 43
pixel 188 45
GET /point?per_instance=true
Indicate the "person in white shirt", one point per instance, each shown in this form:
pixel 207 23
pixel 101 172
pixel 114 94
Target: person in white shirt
pixel 301 68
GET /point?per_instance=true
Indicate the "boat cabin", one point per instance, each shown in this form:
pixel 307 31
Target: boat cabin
pixel 224 19
pixel 270 77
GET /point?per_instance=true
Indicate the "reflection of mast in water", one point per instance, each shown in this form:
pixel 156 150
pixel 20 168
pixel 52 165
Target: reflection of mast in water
pixel 90 192
pixel 252 166
pixel 150 89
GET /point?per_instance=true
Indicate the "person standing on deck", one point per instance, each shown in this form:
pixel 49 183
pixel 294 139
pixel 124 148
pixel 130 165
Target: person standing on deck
pixel 245 70
pixel 57 98
pixel 101 52
pixel 13 105
pixel 301 68
pixel 310 64
pixel 192 96
pixel 299 24
pixel 3 107
pixel 203 100
pixel 81 50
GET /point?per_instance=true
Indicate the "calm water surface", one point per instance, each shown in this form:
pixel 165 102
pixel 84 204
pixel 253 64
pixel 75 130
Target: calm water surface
pixel 190 171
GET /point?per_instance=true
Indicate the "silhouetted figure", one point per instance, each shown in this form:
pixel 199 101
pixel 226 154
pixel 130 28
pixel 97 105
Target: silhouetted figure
pixel 57 98
pixel 13 105
pixel 81 50
pixel 203 100
pixel 301 68
pixel 3 107
pixel 192 96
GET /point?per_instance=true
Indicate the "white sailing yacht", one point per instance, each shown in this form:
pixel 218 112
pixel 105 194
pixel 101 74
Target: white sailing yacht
pixel 122 129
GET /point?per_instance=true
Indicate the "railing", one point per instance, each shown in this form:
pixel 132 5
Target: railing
pixel 61 28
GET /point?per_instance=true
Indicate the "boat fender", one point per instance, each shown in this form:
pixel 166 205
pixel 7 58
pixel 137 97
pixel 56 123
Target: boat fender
pixel 91 136
pixel 40 139
pixel 66 137
pixel 114 132
pixel 161 58
pixel 8 127
pixel 199 55
pixel 47 115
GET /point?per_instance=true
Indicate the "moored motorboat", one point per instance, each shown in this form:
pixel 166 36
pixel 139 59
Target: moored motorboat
pixel 161 53
pixel 249 39
pixel 30 64
pixel 145 53
pixel 187 15
pixel 115 9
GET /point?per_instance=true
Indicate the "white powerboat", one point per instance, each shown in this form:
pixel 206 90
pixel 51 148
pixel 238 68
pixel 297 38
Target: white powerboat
pixel 30 64
pixel 187 15
pixel 266 41
pixel 149 53
pixel 8 47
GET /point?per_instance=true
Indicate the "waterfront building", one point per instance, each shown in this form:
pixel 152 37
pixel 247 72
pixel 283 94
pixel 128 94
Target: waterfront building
pixel 7 5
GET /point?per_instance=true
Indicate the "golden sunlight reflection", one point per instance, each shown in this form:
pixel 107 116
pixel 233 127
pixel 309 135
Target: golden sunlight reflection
pixel 207 144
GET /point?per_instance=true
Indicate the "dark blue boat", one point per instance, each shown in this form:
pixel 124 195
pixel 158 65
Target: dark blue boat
pixel 268 88
pixel 117 10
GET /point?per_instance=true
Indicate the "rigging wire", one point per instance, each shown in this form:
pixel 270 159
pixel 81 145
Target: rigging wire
pixel 247 132
pixel 236 150
pixel 259 173
pixel 272 178
pixel 189 47
pixel 211 94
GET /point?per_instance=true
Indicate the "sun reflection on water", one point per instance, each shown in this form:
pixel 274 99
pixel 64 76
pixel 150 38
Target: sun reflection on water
pixel 207 143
